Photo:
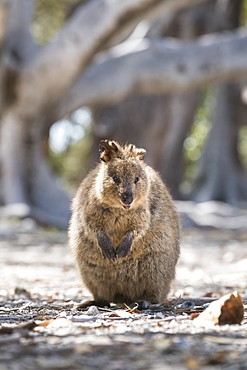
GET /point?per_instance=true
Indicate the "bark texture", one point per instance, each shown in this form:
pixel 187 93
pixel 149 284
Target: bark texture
pixel 222 176
pixel 97 66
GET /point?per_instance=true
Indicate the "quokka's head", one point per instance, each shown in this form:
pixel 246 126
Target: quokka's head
pixel 122 181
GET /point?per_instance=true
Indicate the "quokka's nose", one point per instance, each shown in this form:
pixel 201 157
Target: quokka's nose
pixel 127 198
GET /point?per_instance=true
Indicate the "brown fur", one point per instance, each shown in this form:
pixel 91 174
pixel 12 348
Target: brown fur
pixel 124 230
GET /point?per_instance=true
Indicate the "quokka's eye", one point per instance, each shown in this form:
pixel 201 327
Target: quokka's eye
pixel 116 180
pixel 136 179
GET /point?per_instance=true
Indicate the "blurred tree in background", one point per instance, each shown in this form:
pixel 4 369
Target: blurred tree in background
pixel 166 75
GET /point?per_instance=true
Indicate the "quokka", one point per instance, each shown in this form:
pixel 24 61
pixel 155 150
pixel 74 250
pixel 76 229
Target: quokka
pixel 124 229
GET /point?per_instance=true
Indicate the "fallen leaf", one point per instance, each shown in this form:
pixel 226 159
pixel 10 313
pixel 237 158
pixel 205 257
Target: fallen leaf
pixel 208 295
pixel 194 315
pixel 30 325
pixel 6 330
pixel 113 315
pixel 229 309
pixel 192 363
pixel 44 323
pixel 22 292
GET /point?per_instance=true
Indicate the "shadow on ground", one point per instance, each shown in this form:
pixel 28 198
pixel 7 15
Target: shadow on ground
pixel 40 327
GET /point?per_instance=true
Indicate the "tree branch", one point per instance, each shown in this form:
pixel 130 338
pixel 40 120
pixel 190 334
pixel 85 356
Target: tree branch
pixel 4 10
pixel 163 66
pixel 151 15
pixel 62 61
pixel 19 41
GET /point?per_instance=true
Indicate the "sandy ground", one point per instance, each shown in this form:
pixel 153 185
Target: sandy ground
pixel 40 327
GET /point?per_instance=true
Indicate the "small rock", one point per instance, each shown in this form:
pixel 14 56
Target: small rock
pixel 92 311
pixel 186 304
pixel 28 225
pixel 159 315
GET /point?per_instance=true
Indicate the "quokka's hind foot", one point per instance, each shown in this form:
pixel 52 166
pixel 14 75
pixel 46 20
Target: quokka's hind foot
pixel 86 304
pixel 146 305
pixel 140 305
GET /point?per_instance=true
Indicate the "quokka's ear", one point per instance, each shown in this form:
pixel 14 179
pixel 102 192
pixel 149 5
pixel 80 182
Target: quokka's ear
pixel 139 152
pixel 108 150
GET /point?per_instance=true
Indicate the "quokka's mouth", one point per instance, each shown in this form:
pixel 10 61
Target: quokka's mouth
pixel 127 206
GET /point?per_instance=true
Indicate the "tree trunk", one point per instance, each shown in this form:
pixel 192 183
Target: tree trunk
pixel 33 81
pixel 41 84
pixel 14 158
pixel 27 185
pixel 222 176
pixel 171 158
pixel 158 123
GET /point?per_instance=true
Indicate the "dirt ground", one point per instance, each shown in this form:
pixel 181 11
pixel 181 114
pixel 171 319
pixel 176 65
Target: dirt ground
pixel 40 327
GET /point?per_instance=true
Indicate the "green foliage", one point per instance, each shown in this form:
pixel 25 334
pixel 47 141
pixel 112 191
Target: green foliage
pixel 242 145
pixel 71 165
pixel 70 160
pixel 243 17
pixel 193 144
pixel 49 17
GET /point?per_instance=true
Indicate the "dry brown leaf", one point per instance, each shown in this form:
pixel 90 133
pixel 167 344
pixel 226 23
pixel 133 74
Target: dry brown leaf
pixel 229 309
pixel 44 323
pixel 194 315
pixel 192 363
pixel 113 315
pixel 6 330
pixel 29 325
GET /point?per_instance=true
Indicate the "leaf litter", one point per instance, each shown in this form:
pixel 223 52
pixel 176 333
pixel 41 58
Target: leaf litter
pixel 40 326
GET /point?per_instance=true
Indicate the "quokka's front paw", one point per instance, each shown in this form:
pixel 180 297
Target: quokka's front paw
pixel 124 247
pixel 108 253
pixel 106 246
pixel 87 304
